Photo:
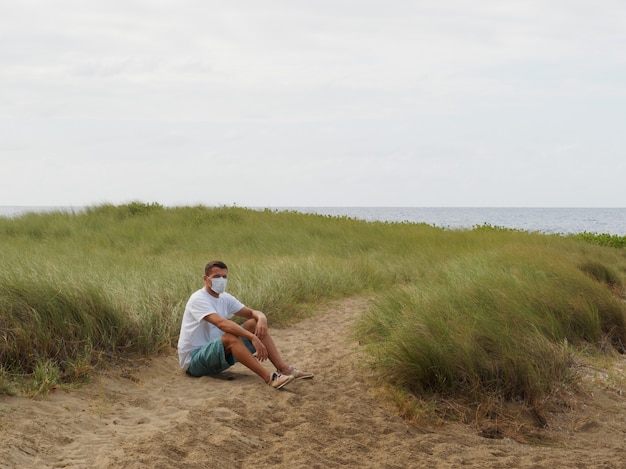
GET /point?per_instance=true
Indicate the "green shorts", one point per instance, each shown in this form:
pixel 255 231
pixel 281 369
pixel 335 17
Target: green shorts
pixel 212 359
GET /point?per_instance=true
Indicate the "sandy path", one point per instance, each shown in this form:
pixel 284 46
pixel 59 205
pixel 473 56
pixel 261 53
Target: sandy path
pixel 155 417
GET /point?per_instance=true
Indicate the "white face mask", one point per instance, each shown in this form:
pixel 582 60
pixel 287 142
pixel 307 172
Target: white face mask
pixel 218 285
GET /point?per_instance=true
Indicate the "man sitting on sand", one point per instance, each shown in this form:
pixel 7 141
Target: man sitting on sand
pixel 210 342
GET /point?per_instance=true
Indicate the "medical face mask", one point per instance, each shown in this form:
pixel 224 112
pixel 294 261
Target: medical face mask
pixel 218 285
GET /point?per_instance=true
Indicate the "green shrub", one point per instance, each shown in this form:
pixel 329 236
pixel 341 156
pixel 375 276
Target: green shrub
pixel 603 239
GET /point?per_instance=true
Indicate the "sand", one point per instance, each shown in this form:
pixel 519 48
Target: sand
pixel 150 415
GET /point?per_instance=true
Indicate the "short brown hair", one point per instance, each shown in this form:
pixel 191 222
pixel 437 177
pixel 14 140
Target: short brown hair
pixel 210 265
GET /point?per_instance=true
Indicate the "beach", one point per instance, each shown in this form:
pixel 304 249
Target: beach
pixel 148 414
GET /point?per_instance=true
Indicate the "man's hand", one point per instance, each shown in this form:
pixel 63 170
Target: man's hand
pixel 261 351
pixel 261 326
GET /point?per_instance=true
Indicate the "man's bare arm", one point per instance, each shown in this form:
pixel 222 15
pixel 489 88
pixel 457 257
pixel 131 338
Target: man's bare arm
pixel 261 321
pixel 233 328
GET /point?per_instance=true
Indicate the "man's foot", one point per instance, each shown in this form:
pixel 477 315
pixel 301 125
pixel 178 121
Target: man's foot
pixel 277 380
pixel 299 374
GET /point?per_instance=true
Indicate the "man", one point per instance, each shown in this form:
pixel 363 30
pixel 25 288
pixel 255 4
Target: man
pixel 210 342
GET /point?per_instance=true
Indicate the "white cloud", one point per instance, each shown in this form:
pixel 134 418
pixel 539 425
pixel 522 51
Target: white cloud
pixel 319 103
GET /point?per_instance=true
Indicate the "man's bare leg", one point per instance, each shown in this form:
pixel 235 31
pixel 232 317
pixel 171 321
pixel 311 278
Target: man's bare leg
pixel 234 345
pixel 272 351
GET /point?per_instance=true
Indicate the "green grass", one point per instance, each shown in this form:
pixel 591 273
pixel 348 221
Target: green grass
pixel 114 280
pixel 498 320
pixel 484 315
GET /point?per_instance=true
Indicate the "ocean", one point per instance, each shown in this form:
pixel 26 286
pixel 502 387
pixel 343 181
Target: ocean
pixel 544 220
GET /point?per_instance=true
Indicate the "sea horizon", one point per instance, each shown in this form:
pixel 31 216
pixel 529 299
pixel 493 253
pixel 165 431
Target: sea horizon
pixel 550 220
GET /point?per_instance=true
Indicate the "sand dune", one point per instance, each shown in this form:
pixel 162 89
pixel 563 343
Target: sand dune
pixel 150 415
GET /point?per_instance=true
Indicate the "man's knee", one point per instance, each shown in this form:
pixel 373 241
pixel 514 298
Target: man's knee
pixel 250 325
pixel 228 340
pixel 231 342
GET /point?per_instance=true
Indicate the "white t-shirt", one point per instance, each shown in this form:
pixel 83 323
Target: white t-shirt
pixel 194 331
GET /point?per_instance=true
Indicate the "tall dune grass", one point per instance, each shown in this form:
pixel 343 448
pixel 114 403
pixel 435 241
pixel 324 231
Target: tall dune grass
pixel 499 321
pixel 115 279
pixel 467 313
pixel 492 322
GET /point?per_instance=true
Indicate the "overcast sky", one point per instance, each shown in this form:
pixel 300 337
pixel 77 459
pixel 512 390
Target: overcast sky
pixel 496 103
